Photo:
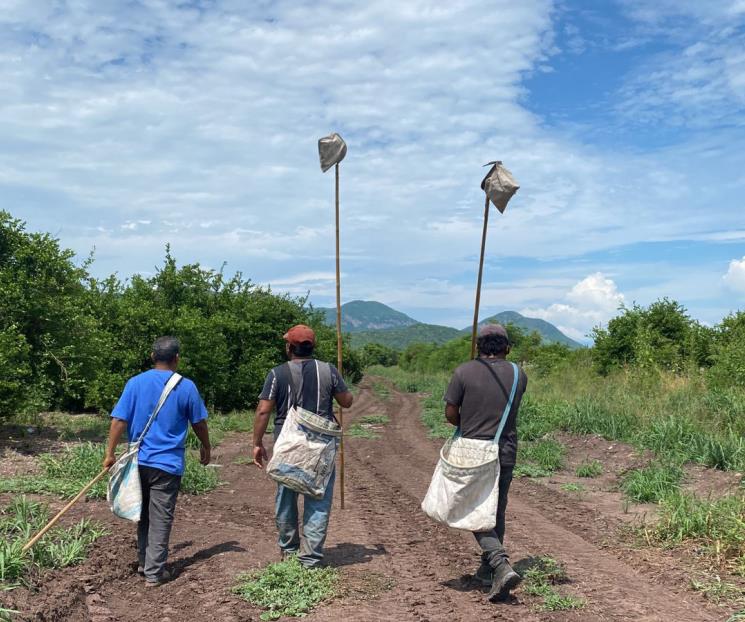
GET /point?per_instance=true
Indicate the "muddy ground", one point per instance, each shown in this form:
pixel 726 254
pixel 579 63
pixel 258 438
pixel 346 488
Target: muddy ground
pixel 395 563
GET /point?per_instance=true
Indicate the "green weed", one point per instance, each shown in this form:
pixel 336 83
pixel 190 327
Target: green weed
pixel 718 591
pixel 540 579
pixel 589 469
pixel 367 427
pixel 737 617
pixel 547 454
pixel 572 487
pixel 59 548
pixel 197 479
pixel 65 473
pixel 381 390
pixel 719 523
pixel 652 483
pixel 286 588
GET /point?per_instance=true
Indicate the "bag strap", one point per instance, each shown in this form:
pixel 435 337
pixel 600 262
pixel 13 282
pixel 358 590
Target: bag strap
pixel 510 398
pixel 170 385
pixel 293 399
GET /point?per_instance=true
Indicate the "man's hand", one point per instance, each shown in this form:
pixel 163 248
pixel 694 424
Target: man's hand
pixel 108 461
pixel 204 454
pixel 260 455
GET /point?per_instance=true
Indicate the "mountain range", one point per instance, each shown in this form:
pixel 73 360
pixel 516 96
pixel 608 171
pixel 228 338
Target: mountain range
pixel 368 321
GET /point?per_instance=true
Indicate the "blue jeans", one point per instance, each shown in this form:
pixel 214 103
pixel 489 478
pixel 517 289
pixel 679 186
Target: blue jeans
pixel 316 513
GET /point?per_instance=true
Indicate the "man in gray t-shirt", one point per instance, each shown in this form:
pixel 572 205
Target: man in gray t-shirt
pixel 315 385
pixel 475 399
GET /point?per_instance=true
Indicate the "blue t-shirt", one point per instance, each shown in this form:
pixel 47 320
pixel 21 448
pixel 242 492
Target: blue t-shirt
pixel 163 445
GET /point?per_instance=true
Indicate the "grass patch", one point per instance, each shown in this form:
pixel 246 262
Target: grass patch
pixel 539 458
pixel 286 588
pixel 367 427
pixel 716 523
pixel 59 548
pixel 718 591
pixel 244 460
pixel 572 487
pixel 652 483
pixel 589 469
pixel 381 390
pixel 65 473
pixel 541 579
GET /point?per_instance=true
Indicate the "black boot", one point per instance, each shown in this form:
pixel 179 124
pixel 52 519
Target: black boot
pixel 504 580
pixel 485 572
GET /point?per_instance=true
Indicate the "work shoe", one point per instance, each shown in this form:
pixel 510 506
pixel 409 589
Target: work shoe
pixel 141 570
pixel 504 580
pixel 484 574
pixel 164 577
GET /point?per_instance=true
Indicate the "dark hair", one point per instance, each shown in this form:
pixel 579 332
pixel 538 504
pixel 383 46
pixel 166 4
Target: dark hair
pixel 491 345
pixel 302 349
pixel 166 349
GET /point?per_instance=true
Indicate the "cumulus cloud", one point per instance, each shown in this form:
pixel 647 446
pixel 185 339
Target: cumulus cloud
pixel 127 126
pixel 589 303
pixel 735 276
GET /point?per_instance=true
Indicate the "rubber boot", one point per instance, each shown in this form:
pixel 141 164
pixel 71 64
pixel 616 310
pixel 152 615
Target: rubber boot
pixel 485 572
pixel 504 580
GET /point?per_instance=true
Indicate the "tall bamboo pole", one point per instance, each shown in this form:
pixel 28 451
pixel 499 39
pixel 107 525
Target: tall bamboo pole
pixel 338 333
pixel 478 283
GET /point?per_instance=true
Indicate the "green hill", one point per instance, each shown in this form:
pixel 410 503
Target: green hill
pixel 368 321
pixel 366 315
pixel 399 338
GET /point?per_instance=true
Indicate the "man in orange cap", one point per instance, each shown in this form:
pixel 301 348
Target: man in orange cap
pixel 317 384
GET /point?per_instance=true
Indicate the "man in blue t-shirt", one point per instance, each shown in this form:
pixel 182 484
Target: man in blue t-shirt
pixel 161 455
pixel 317 385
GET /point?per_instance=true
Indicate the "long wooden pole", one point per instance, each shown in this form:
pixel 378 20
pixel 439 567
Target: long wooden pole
pixel 338 335
pixel 478 283
pixel 52 522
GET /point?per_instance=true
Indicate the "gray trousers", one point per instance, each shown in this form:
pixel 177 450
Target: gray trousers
pixel 493 551
pixel 159 494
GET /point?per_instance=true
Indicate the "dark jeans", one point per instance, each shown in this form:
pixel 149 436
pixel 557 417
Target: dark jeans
pixel 491 542
pixel 159 494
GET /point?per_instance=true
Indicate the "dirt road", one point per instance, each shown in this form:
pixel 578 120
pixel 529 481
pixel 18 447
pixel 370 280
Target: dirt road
pixel 396 563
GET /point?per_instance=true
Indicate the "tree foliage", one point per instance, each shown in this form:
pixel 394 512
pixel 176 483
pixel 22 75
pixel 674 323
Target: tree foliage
pixel 70 341
pixel 661 335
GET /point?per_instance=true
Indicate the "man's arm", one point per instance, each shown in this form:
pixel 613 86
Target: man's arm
pixel 344 399
pixel 116 429
pixel 261 422
pixel 203 434
pixel 452 414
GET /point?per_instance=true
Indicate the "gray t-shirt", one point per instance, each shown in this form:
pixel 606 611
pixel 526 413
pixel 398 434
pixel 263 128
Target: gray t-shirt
pixel 315 387
pixel 482 402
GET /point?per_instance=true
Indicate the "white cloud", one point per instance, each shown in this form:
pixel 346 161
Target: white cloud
pixel 735 277
pixel 589 303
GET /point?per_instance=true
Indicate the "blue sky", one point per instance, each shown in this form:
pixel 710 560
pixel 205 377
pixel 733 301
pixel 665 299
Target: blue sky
pixel 129 125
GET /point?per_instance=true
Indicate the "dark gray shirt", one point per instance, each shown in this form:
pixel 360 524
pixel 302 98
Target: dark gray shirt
pixel 482 402
pixel 315 387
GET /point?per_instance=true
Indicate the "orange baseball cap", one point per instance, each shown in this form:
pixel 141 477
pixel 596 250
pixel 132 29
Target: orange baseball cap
pixel 300 334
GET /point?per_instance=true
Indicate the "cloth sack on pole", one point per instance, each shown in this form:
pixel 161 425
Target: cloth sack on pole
pixel 499 185
pixel 464 491
pixel 331 150
pixel 304 455
pixel 124 493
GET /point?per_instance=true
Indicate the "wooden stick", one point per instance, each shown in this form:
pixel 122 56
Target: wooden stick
pixel 478 283
pixel 338 335
pixel 52 522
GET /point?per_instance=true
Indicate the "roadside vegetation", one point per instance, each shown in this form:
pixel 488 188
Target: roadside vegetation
pixel 287 589
pixel 542 576
pixel 369 426
pixel 59 548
